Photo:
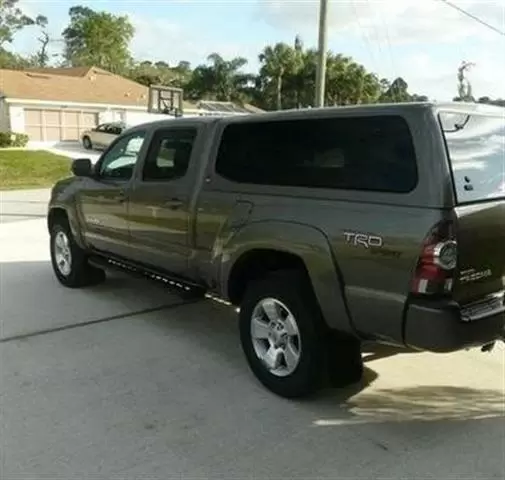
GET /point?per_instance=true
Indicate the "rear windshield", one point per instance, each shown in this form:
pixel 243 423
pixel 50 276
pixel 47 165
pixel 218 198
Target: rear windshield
pixel 476 145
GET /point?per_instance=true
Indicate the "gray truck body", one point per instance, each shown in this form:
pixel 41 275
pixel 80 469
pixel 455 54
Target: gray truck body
pixel 359 249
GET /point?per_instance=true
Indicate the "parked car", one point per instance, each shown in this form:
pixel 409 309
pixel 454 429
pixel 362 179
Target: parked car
pixel 102 136
pixel 326 227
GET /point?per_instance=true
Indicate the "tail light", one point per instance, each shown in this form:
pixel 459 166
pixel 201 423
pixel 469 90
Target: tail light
pixel 437 263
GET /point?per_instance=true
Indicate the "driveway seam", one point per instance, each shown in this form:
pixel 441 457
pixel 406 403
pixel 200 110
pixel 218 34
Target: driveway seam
pixel 39 333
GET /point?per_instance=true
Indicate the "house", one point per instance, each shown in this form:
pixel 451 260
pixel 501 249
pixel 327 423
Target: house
pixel 57 104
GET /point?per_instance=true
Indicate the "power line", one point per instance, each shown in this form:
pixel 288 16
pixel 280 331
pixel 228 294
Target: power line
pixel 473 17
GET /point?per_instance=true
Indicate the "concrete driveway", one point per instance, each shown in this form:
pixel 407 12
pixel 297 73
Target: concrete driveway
pixel 125 380
pixel 74 150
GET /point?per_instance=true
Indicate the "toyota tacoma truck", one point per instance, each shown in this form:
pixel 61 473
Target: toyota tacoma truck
pixel 326 228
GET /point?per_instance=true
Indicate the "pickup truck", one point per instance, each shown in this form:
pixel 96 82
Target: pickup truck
pixel 326 228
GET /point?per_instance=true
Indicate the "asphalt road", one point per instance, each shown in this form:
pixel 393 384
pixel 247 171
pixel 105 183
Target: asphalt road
pixel 126 381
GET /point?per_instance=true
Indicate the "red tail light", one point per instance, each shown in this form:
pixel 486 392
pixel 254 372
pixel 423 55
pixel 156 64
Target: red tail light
pixel 437 263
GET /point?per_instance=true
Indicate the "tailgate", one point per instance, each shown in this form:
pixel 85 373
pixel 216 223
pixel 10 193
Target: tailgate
pixel 475 140
pixel 480 230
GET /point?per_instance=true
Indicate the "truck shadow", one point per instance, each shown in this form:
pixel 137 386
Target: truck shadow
pixel 213 328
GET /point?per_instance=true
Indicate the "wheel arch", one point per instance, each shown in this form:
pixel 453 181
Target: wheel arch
pixel 60 213
pixel 56 214
pixel 262 247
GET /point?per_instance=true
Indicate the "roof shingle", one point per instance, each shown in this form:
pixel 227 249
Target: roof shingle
pixel 81 84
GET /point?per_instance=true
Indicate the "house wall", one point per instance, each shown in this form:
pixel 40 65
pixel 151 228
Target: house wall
pixel 16 119
pixel 4 116
pixel 12 115
pixel 135 118
pixel 111 116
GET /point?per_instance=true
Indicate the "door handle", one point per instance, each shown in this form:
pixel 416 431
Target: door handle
pixel 174 203
pixel 121 197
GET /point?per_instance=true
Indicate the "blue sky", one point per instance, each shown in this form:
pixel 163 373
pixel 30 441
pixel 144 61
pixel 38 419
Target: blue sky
pixel 423 41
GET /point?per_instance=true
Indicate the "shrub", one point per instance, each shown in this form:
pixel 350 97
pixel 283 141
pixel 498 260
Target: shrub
pixel 5 139
pixel 11 139
pixel 20 140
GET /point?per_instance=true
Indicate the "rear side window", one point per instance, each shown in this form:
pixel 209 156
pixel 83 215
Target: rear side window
pixel 369 153
pixel 476 148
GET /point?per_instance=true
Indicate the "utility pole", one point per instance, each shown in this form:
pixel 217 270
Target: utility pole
pixel 322 53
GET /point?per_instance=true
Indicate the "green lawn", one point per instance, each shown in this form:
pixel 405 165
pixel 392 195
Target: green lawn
pixel 31 169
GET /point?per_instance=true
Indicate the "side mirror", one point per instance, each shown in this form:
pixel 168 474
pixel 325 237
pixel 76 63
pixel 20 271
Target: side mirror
pixel 82 167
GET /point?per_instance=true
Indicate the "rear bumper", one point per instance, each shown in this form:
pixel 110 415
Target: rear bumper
pixel 441 329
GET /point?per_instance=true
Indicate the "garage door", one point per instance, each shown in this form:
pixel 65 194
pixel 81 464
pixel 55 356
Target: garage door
pixel 58 125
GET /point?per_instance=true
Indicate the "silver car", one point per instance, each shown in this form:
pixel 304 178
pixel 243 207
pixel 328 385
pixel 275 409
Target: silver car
pixel 102 135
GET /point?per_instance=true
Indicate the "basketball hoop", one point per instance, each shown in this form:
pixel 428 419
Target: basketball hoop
pixel 165 100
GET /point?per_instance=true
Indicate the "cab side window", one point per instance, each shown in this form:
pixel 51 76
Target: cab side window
pixel 374 153
pixel 169 154
pixel 119 161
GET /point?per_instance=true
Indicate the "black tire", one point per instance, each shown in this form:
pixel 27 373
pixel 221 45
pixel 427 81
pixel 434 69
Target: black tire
pixel 325 355
pixel 292 290
pixel 86 142
pixel 80 273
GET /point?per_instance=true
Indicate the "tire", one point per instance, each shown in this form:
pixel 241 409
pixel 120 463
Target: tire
pixel 286 291
pixel 86 142
pixel 69 261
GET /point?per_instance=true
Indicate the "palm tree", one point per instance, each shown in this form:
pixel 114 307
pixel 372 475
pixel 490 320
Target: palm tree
pixel 338 79
pixel 221 80
pixel 225 73
pixel 277 62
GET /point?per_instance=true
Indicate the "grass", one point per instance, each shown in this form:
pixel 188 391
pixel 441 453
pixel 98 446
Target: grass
pixel 31 169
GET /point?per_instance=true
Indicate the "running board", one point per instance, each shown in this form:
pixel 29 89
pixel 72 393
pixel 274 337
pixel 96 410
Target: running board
pixel 180 286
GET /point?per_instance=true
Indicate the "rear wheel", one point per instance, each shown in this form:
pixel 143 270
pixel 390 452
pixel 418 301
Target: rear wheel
pixel 285 341
pixel 86 142
pixel 70 263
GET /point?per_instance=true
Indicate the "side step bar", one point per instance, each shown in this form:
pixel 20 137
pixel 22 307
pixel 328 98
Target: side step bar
pixel 178 285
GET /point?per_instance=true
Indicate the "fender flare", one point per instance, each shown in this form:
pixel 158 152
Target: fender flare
pixel 306 242
pixel 73 220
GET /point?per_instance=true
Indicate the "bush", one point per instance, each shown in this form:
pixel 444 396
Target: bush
pixel 11 139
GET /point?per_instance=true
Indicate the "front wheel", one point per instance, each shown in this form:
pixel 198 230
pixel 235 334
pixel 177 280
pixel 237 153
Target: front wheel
pixel 69 261
pixel 86 142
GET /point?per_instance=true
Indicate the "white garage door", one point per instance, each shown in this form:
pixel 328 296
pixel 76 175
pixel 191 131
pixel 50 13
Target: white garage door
pixel 57 125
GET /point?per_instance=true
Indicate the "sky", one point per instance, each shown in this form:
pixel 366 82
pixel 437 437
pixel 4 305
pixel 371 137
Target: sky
pixel 423 41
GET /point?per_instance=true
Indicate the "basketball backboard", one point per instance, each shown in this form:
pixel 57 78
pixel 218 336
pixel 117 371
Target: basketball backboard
pixel 167 100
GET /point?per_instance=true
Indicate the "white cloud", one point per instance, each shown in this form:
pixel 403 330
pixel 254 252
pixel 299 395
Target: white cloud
pixel 437 78
pixel 402 20
pixel 159 39
pixel 422 41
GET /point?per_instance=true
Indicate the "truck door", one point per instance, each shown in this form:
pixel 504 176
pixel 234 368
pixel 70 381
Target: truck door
pixel 159 204
pixel 103 200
